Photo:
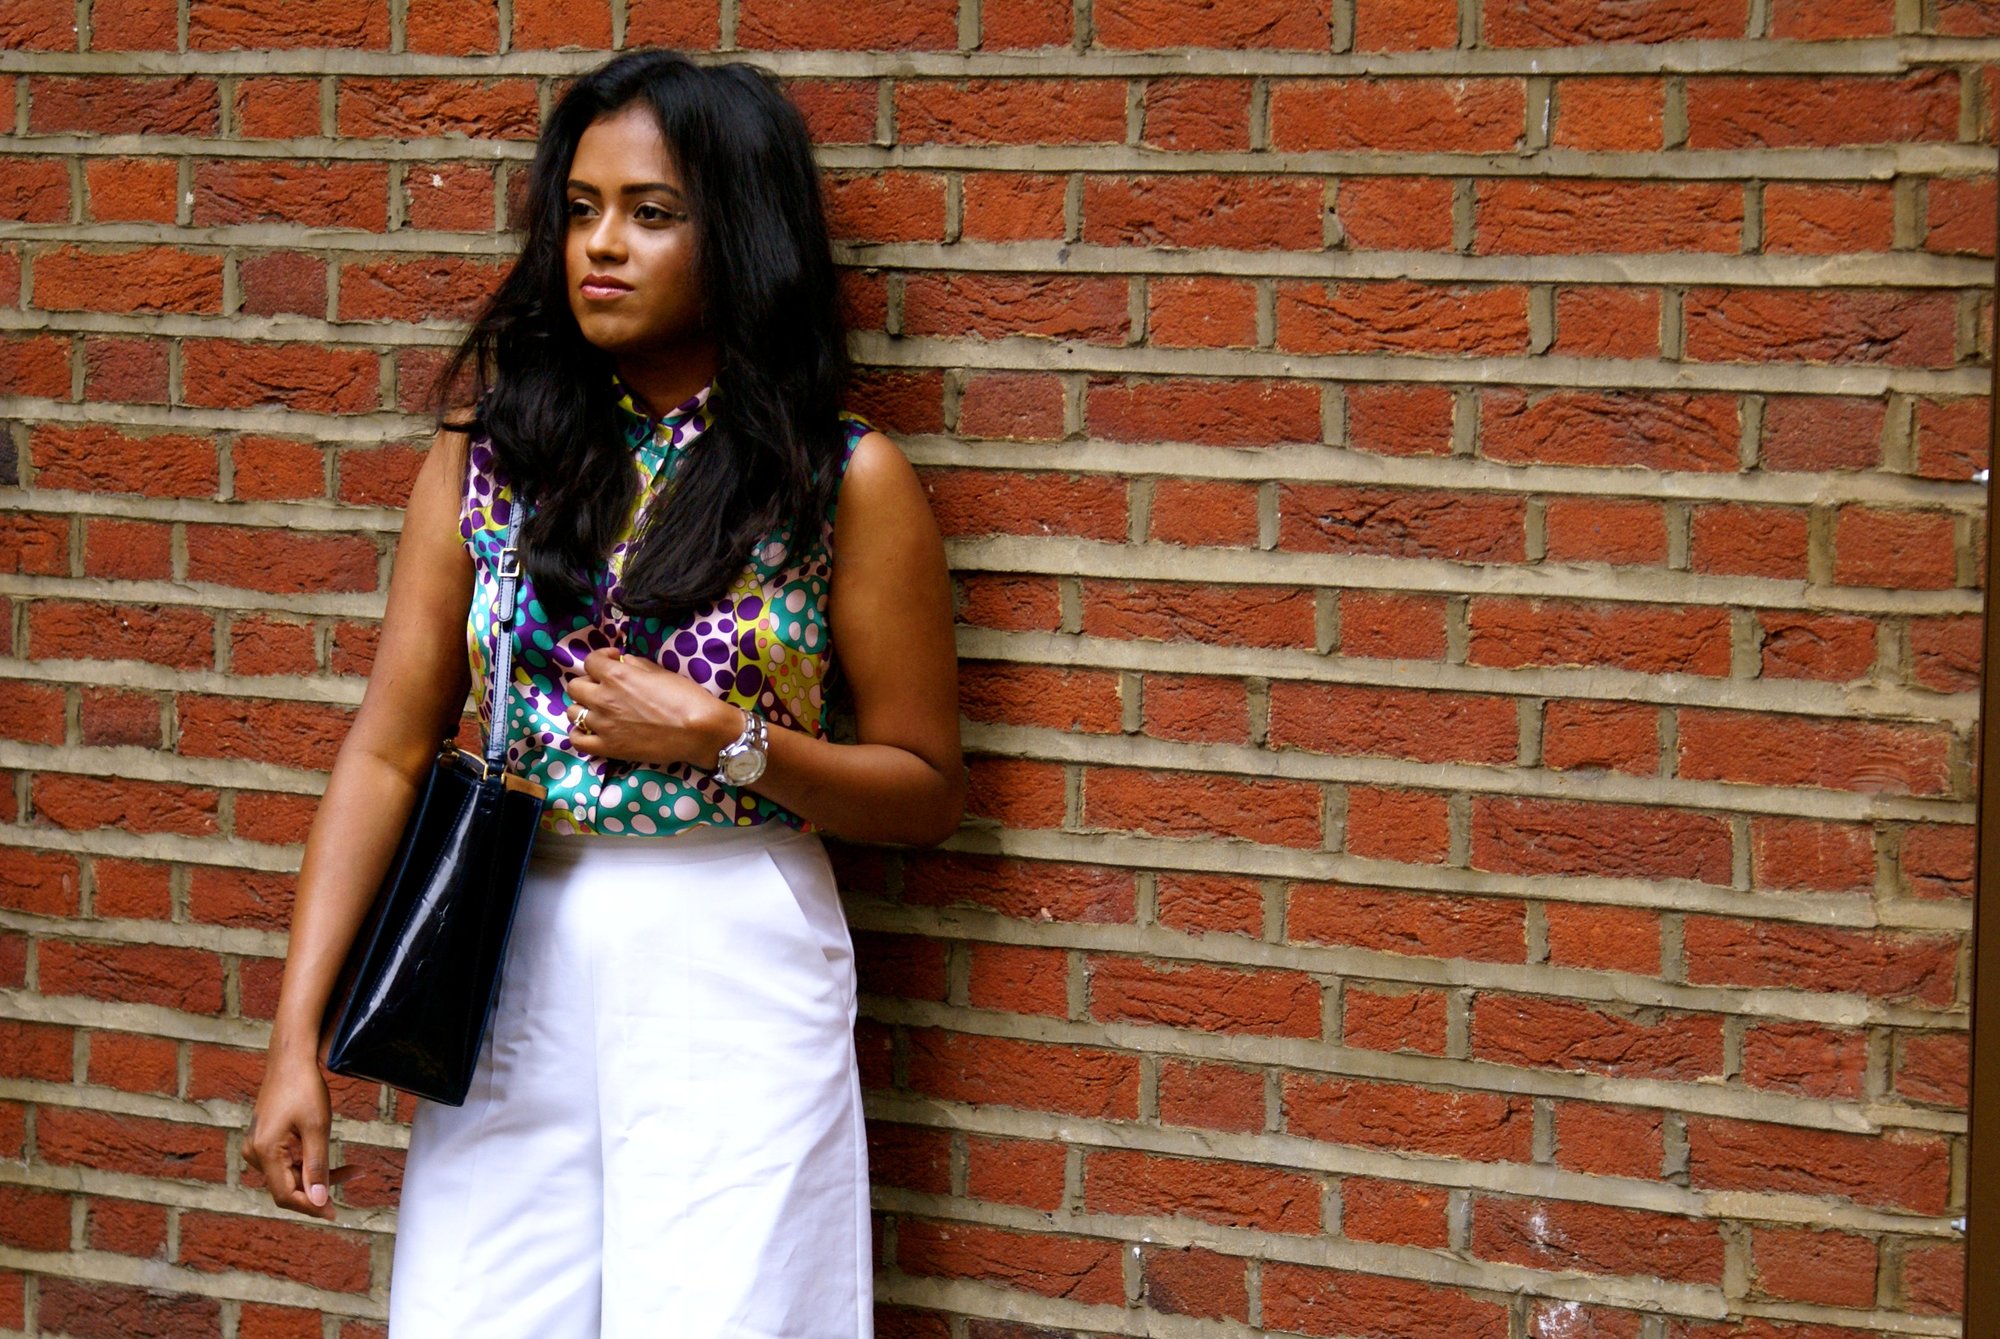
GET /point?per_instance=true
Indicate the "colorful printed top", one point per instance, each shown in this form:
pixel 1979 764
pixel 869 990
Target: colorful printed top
pixel 764 647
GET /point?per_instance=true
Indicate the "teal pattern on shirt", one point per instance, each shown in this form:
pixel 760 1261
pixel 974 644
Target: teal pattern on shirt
pixel 765 646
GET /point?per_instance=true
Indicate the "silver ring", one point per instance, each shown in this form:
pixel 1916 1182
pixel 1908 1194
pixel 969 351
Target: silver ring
pixel 578 727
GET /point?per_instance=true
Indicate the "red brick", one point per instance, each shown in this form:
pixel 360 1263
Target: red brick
pixel 1394 1212
pixel 1020 979
pixel 1195 1282
pixel 1012 206
pixel 1523 23
pixel 1934 1067
pixel 1015 1171
pixel 1047 696
pixel 470 27
pixel 184 979
pixel 1203 210
pixel 1411 827
pixel 1075 1080
pixel 1509 632
pixel 105 105
pixel 1829 220
pixel 98 459
pixel 277 108
pixel 1133 1183
pixel 1952 437
pixel 1393 1020
pixel 1904 550
pixel 1399 316
pixel 1804 853
pixel 1196 114
pixel 925 25
pixel 163 635
pixel 1010 111
pixel 1483 1127
pixel 1211 1096
pixel 1204 998
pixel 1545 1033
pixel 1600 321
pixel 1658 431
pixel 1254 25
pixel 1868 326
pixel 112 716
pixel 1575 837
pixel 1820 110
pixel 1397 213
pixel 1617 736
pixel 1613 939
pixel 1565 1235
pixel 1959 216
pixel 222 25
pixel 1805 1059
pixel 1414 723
pixel 1609 1140
pixel 885 207
pixel 1898 1170
pixel 228 374
pixel 143 190
pixel 34 364
pixel 1817 432
pixel 1391 626
pixel 992 502
pixel 1079 1269
pixel 1814 20
pixel 1196 708
pixel 1306 1299
pixel 1611 112
pixel 127 550
pixel 1484 929
pixel 332 195
pixel 420 108
pixel 1938 860
pixel 34 545
pixel 550 24
pixel 1559 217
pixel 1946 652
pixel 1025 23
pixel 1595 530
pixel 1400 420
pixel 133 370
pixel 1761 748
pixel 1200 313
pixel 38 25
pixel 1065 307
pixel 1212 412
pixel 1883 964
pixel 139 280
pixel 1748 540
pixel 1206 513
pixel 1410 115
pixel 1266 616
pixel 268 560
pixel 1402 522
pixel 1015 406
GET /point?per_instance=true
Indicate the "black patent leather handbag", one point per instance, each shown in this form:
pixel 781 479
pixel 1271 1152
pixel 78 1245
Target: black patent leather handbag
pixel 416 992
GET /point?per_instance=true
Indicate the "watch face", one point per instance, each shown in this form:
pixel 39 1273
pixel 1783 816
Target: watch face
pixel 743 767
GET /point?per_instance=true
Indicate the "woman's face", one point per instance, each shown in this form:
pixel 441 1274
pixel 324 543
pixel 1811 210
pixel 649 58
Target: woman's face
pixel 630 245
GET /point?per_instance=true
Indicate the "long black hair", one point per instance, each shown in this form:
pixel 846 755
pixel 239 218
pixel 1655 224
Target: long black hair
pixel 546 396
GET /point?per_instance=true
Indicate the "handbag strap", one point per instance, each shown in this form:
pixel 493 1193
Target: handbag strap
pixel 500 691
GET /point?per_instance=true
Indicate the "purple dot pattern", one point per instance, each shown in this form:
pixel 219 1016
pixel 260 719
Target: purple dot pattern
pixel 764 646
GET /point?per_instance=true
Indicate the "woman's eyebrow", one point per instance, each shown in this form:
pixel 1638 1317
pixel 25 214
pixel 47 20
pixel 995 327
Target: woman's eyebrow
pixel 635 188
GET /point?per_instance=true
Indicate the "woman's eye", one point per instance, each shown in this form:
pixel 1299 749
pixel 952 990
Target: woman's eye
pixel 655 212
pixel 576 207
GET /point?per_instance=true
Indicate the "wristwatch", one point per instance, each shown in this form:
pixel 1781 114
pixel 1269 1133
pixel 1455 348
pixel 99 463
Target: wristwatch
pixel 742 759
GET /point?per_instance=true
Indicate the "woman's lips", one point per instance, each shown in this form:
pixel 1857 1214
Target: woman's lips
pixel 603 290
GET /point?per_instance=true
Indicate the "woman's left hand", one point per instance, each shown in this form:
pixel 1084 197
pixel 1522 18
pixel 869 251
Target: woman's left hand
pixel 637 709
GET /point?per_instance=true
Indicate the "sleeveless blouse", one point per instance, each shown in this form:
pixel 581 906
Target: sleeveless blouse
pixel 764 646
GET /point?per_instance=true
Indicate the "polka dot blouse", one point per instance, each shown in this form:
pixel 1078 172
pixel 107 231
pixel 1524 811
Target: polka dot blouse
pixel 764 646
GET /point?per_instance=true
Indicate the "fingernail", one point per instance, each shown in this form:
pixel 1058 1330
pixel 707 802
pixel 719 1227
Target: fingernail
pixel 316 1193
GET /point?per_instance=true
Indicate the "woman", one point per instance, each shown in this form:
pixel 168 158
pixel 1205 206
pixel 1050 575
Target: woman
pixel 664 1130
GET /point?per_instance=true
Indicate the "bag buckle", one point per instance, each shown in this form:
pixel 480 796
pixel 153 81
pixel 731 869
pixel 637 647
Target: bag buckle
pixel 510 562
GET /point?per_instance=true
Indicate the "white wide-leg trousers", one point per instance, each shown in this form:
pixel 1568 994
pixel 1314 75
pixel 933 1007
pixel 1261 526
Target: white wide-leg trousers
pixel 663 1139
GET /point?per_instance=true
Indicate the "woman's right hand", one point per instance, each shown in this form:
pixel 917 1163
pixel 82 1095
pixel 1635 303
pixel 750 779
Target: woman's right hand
pixel 288 1136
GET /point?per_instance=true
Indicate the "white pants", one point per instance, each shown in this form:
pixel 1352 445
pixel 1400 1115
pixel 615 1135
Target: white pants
pixel 663 1136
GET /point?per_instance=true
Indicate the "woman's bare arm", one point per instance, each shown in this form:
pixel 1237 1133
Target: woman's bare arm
pixel 891 615
pixel 415 695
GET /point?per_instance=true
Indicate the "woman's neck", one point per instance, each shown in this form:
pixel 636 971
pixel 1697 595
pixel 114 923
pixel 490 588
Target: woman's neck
pixel 661 384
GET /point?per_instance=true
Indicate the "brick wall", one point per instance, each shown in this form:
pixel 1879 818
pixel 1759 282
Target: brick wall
pixel 1468 558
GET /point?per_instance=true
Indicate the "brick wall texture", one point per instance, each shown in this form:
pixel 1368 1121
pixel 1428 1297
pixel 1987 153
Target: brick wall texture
pixel 1468 533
